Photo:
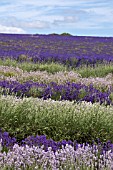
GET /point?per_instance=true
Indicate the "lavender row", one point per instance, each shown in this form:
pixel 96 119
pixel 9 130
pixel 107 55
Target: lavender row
pixel 35 158
pixel 61 77
pixel 40 152
pixel 59 120
pixel 47 48
pixel 68 91
pixel 8 142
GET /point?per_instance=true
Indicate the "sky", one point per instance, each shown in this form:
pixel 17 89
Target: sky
pixel 77 17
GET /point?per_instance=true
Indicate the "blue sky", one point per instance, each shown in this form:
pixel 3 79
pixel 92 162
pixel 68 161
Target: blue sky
pixel 77 17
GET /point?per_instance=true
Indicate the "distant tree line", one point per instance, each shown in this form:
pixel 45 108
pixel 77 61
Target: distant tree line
pixel 64 33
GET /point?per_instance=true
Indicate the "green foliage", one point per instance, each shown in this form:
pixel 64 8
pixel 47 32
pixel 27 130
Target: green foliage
pixel 8 62
pixel 7 74
pixel 50 67
pixel 36 91
pixel 82 93
pixel 66 34
pixel 111 96
pixel 99 71
pixel 53 34
pixel 22 57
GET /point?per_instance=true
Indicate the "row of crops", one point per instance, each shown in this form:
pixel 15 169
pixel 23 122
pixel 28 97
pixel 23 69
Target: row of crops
pixel 56 102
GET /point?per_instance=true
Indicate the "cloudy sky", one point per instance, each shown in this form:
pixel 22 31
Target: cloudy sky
pixel 78 17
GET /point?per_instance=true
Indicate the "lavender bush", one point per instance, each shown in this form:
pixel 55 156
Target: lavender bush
pixel 16 74
pixel 56 119
pixel 79 156
pixel 68 91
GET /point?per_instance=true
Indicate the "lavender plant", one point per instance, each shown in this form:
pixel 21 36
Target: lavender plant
pixel 35 157
pixel 56 119
pixel 68 91
pixel 16 74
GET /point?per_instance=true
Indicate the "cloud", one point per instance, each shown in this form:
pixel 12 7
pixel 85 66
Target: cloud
pixel 66 20
pixel 24 24
pixel 36 24
pixel 43 16
pixel 4 29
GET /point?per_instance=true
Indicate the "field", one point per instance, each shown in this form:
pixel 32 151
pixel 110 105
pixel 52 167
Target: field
pixel 56 102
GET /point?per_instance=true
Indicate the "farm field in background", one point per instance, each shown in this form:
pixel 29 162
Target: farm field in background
pixel 56 102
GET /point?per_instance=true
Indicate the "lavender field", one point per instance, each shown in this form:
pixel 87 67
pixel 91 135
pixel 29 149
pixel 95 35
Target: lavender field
pixel 56 102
